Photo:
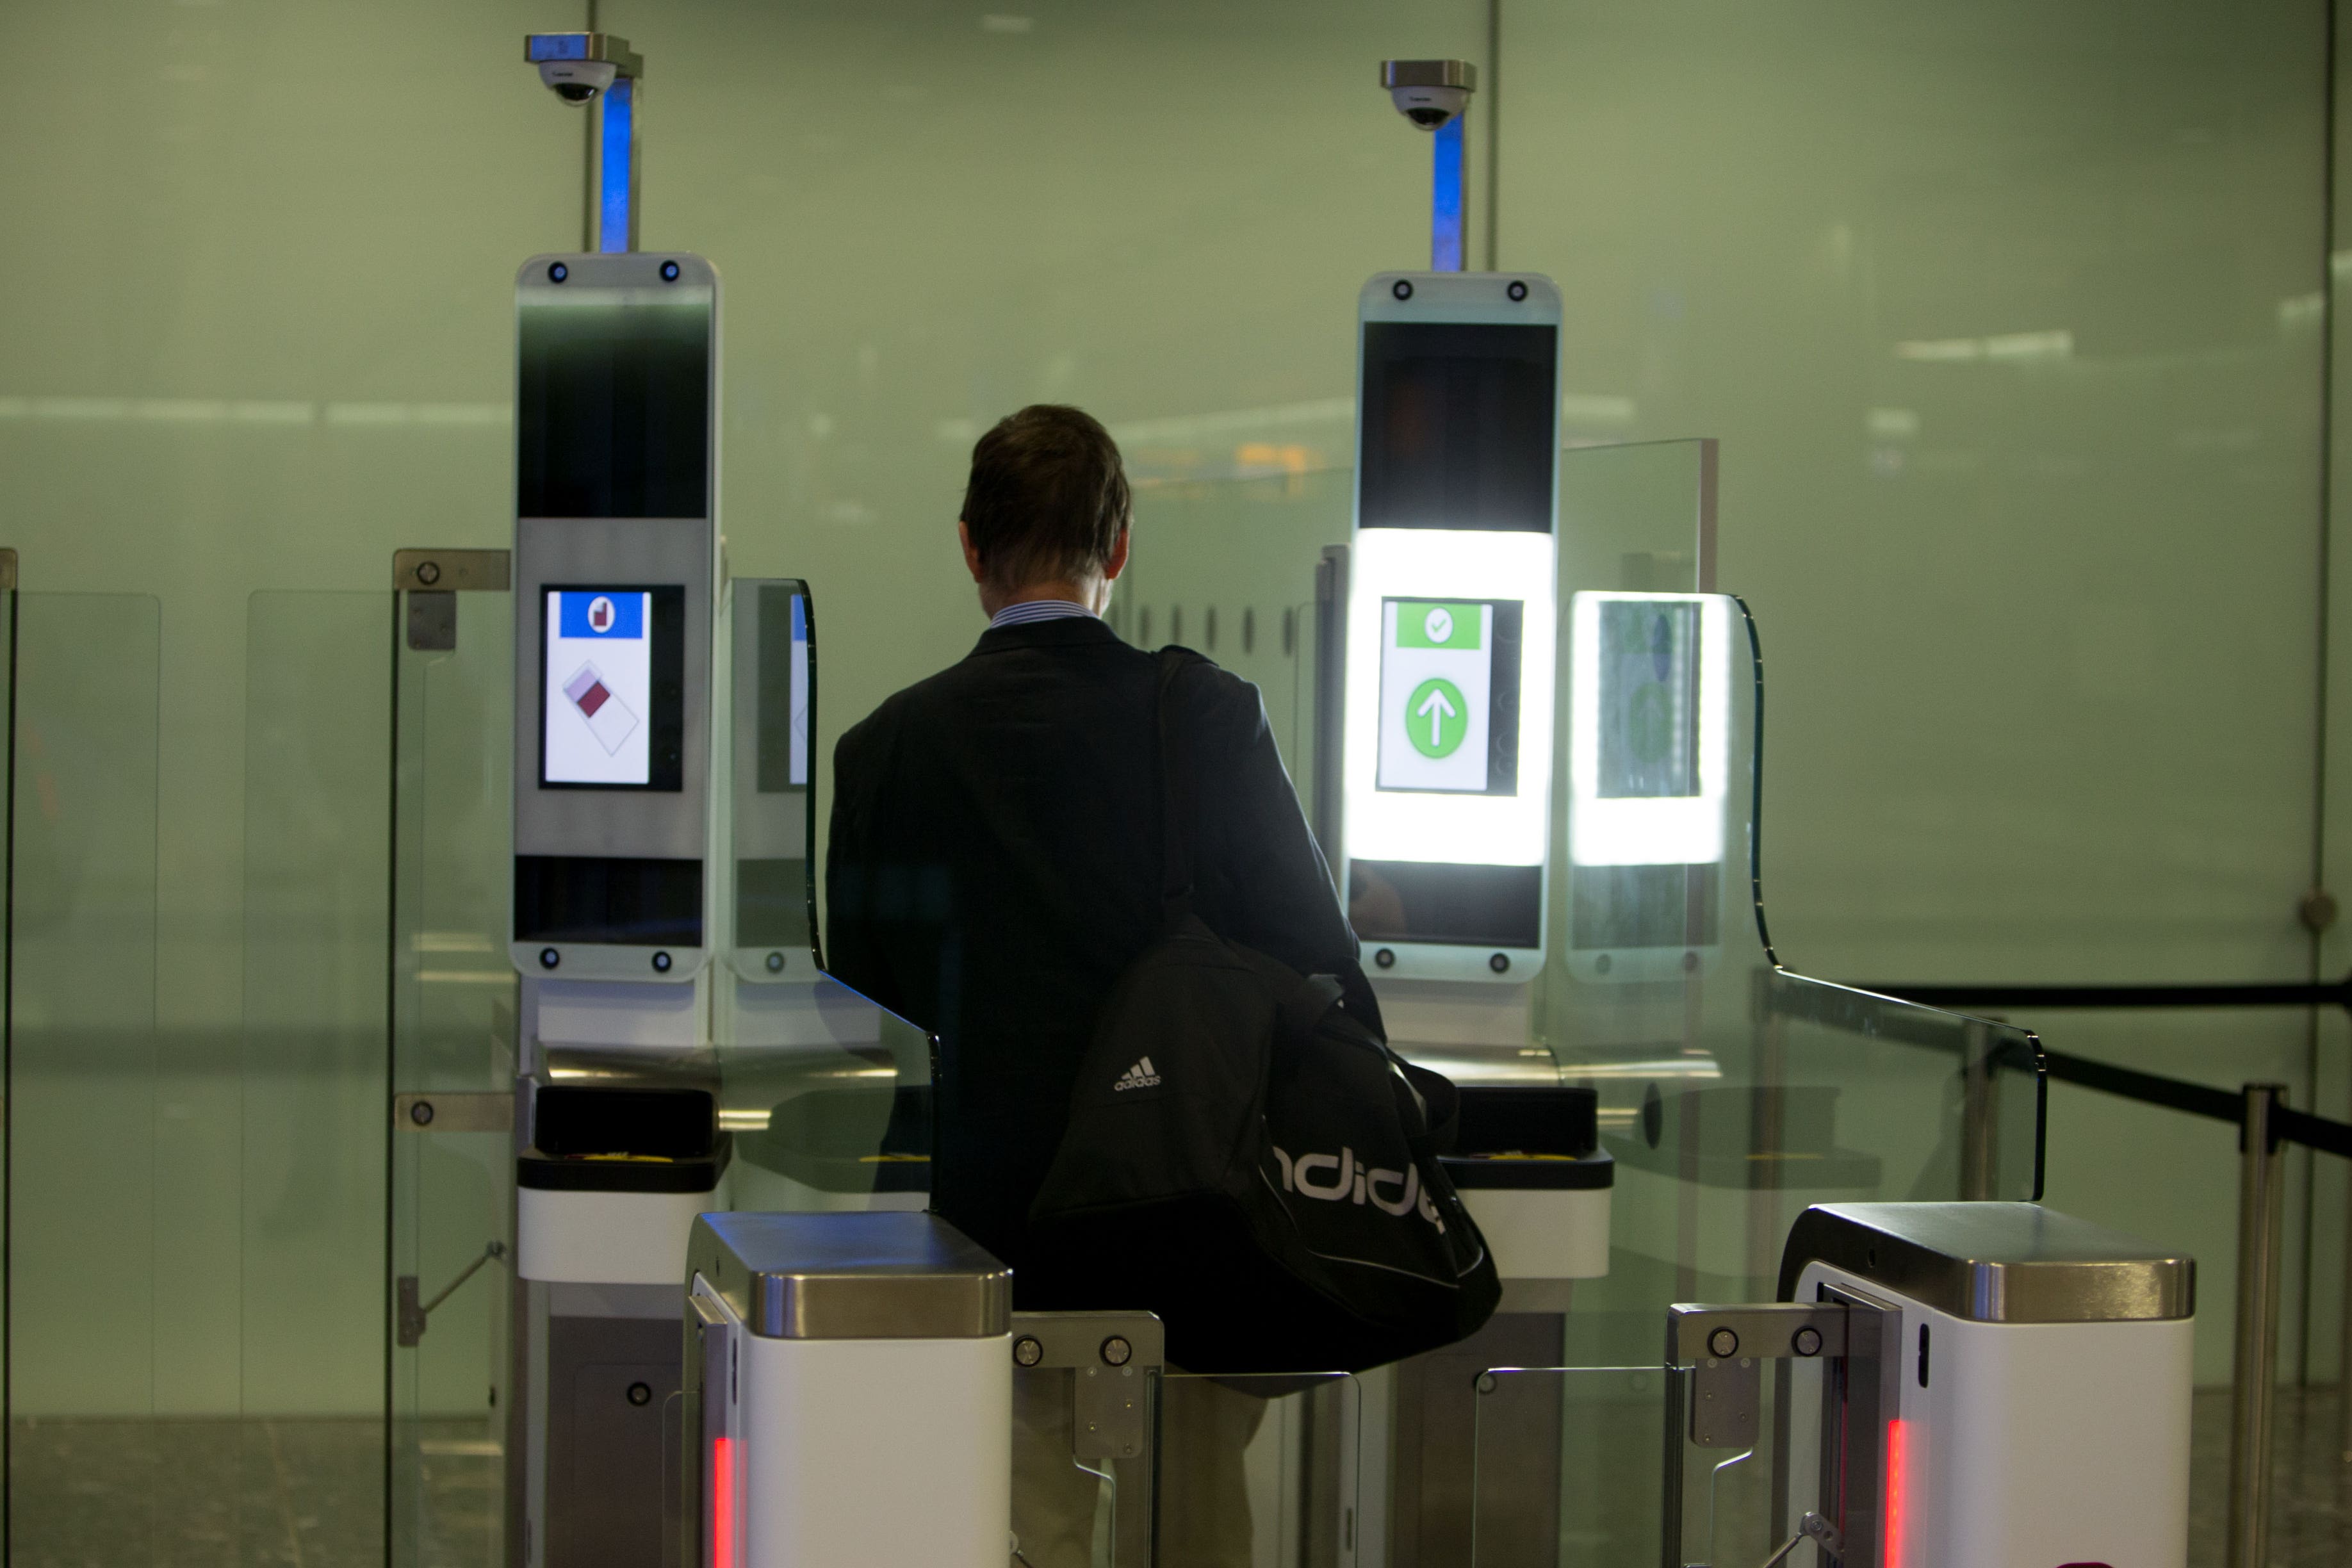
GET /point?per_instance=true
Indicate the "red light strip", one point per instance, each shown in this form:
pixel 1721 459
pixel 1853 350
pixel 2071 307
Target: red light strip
pixel 722 1502
pixel 1891 1553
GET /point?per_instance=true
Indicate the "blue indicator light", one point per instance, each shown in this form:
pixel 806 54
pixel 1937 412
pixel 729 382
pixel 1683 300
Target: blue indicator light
pixel 1446 199
pixel 616 180
pixel 538 46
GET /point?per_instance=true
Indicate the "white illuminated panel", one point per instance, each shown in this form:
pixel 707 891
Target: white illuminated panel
pixel 1638 815
pixel 1439 820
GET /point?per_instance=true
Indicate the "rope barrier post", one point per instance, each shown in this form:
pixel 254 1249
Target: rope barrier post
pixel 2261 1203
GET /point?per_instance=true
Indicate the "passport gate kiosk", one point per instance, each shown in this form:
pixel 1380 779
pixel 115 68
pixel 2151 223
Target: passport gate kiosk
pixel 661 915
pixel 849 1394
pixel 1446 784
pixel 615 570
pixel 1956 1385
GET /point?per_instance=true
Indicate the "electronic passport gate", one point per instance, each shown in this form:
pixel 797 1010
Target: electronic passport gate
pixel 1447 756
pixel 616 578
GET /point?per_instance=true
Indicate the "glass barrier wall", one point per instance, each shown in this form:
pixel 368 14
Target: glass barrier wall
pixel 1228 568
pixel 1732 1092
pixel 310 1072
pixel 453 1051
pixel 1594 1496
pixel 98 1469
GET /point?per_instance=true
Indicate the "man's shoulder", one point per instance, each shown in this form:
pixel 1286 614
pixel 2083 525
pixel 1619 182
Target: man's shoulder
pixel 908 705
pixel 1208 688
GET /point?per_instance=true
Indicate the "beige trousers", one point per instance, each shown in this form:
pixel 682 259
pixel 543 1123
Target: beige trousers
pixel 1204 1515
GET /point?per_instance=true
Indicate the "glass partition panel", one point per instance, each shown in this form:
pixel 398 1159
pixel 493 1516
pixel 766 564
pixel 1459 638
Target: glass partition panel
pixel 1259 1472
pixel 1624 1482
pixel 454 1005
pixel 1636 517
pixel 1082 1488
pixel 1223 566
pixel 825 1096
pixel 96 1473
pixel 311 1073
pixel 1594 1498
pixel 1733 1092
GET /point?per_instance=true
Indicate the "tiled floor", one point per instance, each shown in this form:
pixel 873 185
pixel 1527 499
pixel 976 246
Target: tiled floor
pixel 2311 1507
pixel 241 1494
pixel 310 1494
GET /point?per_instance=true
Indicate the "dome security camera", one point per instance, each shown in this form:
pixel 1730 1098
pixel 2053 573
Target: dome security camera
pixel 1430 93
pixel 577 82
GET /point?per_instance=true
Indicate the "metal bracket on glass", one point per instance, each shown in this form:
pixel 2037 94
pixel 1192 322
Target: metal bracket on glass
pixel 433 579
pixel 410 1317
pixel 1726 1348
pixel 1112 1356
pixel 452 570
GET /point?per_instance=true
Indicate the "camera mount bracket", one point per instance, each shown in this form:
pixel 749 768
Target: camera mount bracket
pixel 600 73
pixel 1435 95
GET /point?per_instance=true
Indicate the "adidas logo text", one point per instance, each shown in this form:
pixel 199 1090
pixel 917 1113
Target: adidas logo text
pixel 1142 1075
pixel 1350 1179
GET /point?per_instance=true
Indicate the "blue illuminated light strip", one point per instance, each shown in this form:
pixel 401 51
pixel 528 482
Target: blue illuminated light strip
pixel 541 47
pixel 617 179
pixel 1446 199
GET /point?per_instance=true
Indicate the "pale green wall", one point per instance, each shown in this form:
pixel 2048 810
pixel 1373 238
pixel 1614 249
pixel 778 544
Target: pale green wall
pixel 2042 626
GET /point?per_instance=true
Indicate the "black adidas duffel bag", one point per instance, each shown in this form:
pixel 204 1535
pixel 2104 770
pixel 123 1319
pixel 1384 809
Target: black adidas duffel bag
pixel 1254 1164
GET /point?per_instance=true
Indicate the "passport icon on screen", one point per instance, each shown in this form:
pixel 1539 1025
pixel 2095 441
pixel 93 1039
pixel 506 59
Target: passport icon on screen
pixel 607 717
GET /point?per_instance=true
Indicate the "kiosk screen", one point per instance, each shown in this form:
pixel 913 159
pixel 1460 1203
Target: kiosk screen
pixel 783 718
pixel 613 699
pixel 1649 699
pixel 1450 696
pixel 772 897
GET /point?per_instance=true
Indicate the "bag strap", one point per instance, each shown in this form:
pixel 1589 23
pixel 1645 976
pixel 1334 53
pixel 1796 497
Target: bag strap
pixel 1175 844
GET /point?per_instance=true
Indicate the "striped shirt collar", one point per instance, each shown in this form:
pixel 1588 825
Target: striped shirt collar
pixel 1030 611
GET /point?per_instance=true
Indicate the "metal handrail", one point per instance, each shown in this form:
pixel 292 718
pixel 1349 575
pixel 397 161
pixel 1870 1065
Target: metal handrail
pixel 1971 999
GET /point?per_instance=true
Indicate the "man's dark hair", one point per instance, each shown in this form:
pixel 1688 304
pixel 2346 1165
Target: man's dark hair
pixel 1048 497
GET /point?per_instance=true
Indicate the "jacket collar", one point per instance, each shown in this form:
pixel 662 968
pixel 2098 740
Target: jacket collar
pixel 1071 631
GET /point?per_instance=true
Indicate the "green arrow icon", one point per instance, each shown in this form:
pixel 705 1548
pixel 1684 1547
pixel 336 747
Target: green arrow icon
pixel 1436 718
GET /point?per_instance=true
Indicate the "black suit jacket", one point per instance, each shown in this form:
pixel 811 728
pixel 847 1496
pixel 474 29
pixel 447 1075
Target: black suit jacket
pixel 996 864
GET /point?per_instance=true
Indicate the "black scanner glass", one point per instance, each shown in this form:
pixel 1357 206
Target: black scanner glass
pixel 613 406
pixel 1459 429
